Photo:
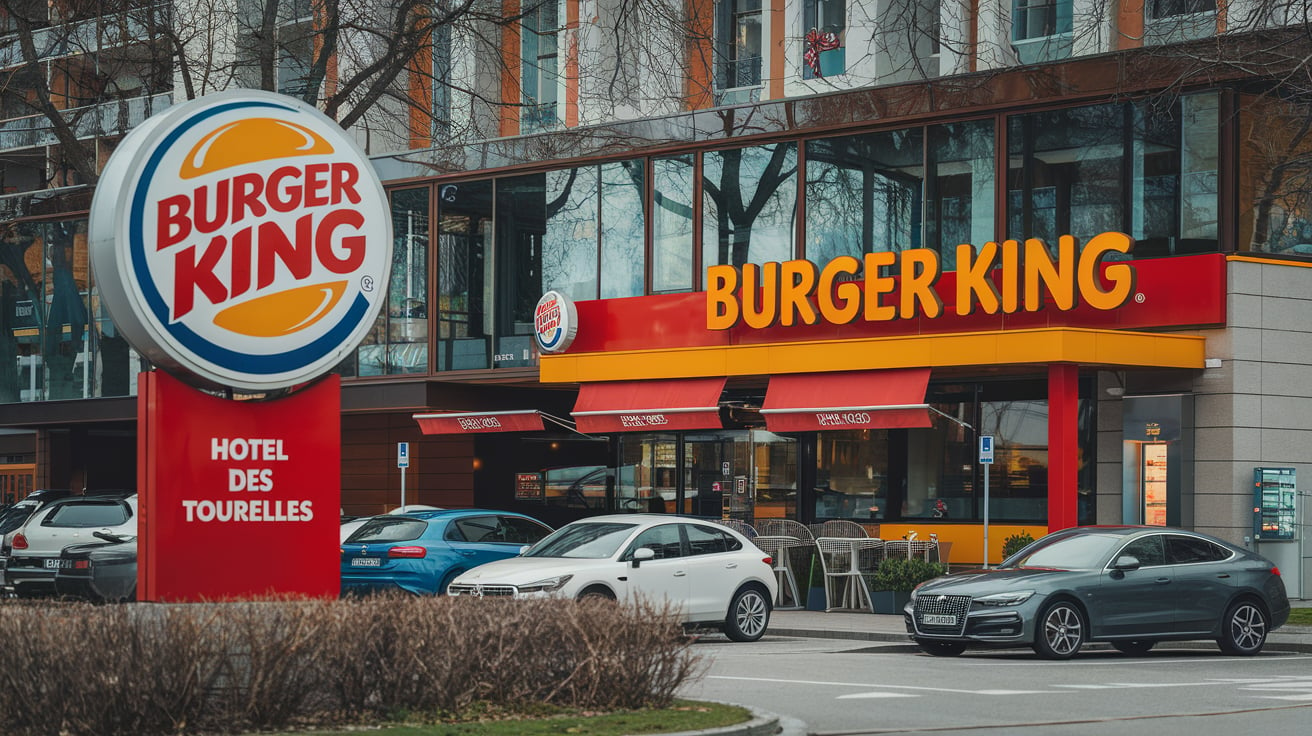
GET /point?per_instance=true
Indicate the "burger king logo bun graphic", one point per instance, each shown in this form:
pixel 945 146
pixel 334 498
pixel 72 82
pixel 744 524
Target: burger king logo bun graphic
pixel 241 240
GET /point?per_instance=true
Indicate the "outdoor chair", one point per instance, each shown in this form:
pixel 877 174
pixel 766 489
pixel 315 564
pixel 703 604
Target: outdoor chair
pixel 784 528
pixel 843 559
pixel 742 527
pixel 788 595
pixel 842 528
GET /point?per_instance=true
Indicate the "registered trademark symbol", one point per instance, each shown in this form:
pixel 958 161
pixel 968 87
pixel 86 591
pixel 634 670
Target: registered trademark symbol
pixel 367 284
pixel 1140 298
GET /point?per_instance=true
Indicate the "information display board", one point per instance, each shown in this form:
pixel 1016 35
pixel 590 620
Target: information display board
pixel 1274 499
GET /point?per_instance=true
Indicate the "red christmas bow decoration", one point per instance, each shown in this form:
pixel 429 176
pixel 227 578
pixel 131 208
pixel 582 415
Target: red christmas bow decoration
pixel 817 41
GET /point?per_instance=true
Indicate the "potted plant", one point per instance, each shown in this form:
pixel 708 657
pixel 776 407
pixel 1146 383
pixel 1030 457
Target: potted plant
pixel 895 578
pixel 1016 543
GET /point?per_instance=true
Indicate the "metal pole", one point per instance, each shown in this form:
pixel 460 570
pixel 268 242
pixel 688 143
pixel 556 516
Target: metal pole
pixel 403 488
pixel 986 516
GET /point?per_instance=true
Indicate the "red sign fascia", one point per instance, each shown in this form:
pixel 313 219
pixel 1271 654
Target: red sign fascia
pixel 239 499
pixel 1184 291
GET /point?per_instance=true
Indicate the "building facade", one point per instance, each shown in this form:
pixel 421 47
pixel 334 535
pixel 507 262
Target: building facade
pixel 636 158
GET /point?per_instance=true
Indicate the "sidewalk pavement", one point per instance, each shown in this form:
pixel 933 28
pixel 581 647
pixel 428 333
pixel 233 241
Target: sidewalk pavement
pixel 864 626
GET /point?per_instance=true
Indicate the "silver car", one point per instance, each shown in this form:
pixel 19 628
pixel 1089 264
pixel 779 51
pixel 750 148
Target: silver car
pixel 1132 586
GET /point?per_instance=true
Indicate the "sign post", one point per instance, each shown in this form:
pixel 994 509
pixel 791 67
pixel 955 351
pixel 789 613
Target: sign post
pixel 986 459
pixel 403 462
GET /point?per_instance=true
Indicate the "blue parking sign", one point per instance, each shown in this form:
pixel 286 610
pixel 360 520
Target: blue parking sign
pixel 403 454
pixel 986 448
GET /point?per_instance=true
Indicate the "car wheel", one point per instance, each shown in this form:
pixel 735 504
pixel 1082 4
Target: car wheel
pixel 1244 629
pixel 749 615
pixel 941 648
pixel 1134 647
pixel 597 593
pixel 1060 631
pixel 446 581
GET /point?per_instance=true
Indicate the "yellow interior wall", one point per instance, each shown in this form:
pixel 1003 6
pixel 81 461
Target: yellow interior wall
pixel 967 540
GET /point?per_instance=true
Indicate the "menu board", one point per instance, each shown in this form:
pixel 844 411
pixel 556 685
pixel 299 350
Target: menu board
pixel 528 487
pixel 1274 494
pixel 1154 484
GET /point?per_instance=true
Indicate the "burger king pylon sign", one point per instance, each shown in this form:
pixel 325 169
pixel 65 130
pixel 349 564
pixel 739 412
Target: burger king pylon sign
pixel 241 240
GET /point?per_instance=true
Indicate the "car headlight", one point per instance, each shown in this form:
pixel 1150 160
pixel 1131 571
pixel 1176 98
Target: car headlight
pixel 1013 598
pixel 546 585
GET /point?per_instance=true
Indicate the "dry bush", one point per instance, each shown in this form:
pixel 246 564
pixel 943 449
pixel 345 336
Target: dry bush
pixel 247 666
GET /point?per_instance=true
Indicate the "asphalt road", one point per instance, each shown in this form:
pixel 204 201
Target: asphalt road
pixel 855 687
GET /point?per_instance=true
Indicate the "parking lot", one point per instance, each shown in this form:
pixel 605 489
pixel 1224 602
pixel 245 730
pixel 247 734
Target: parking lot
pixel 873 682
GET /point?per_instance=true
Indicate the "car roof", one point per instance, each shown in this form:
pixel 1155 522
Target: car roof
pixel 449 514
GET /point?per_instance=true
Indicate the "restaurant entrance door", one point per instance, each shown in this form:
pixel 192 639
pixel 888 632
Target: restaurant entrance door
pixel 721 473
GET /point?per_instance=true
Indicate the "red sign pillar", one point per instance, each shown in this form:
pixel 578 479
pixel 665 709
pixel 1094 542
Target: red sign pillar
pixel 1063 445
pixel 238 499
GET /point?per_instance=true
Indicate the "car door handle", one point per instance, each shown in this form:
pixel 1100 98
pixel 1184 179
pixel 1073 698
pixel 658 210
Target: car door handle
pixel 1162 581
pixel 1224 575
pixel 467 552
pixel 731 565
pixel 679 573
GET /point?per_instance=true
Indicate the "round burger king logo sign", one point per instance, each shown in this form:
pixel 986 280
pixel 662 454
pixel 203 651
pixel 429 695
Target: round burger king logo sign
pixel 241 240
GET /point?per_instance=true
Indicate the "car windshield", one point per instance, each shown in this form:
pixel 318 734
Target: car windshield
pixel 88 513
pixel 595 541
pixel 1067 552
pixel 14 516
pixel 388 529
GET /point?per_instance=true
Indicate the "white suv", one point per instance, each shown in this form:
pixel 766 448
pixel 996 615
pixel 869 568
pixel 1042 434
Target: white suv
pixel 35 548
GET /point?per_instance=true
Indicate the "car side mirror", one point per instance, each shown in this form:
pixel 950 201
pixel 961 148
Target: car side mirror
pixel 643 553
pixel 525 548
pixel 1126 562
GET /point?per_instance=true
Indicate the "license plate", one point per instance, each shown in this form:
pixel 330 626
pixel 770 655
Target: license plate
pixel 367 562
pixel 936 619
pixel 59 564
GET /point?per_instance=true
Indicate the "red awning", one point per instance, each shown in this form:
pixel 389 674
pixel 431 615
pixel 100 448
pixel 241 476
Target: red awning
pixel 847 400
pixel 635 406
pixel 525 420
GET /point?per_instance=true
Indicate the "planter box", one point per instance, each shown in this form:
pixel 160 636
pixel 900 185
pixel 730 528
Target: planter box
pixel 889 601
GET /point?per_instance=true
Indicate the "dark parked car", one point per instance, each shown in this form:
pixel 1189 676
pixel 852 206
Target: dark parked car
pixel 423 551
pixel 102 571
pixel 1132 586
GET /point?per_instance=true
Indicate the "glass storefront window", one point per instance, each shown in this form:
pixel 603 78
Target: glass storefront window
pixel 864 194
pixel 1137 168
pixel 960 187
pixel 671 224
pixel 407 294
pixel 852 475
pixel 749 205
pixel 1275 176
pixel 623 234
pixel 1018 477
pixel 464 275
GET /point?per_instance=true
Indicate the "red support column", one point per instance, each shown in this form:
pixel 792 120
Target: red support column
pixel 1063 446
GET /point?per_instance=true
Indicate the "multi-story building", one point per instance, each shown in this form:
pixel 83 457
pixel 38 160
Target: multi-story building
pixel 644 158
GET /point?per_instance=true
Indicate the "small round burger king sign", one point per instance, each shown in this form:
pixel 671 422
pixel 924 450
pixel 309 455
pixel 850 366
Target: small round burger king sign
pixel 241 240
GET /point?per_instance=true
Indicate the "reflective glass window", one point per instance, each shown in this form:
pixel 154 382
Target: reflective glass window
pixel 464 275
pixel 864 193
pixel 959 187
pixel 824 38
pixel 407 293
pixel 749 204
pixel 1275 176
pixel 623 231
pixel 672 224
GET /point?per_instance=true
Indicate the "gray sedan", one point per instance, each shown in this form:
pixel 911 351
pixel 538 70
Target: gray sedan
pixel 1132 586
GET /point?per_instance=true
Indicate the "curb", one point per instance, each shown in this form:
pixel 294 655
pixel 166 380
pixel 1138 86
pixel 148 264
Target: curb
pixel 762 723
pixel 1274 641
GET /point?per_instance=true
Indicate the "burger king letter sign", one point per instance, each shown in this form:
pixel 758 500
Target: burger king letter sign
pixel 241 240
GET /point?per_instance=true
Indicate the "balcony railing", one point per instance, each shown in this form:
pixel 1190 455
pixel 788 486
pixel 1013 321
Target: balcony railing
pixel 112 117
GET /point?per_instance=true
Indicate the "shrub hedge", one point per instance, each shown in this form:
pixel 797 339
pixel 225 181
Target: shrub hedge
pixel 238 667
